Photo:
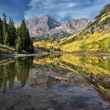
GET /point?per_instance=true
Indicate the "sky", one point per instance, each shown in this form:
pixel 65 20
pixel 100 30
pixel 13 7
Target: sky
pixel 61 10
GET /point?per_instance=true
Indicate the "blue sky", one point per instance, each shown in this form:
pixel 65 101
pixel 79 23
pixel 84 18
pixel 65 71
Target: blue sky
pixel 59 9
pixel 14 8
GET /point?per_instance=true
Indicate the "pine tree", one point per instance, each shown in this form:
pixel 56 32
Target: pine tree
pixel 24 40
pixel 11 33
pixel 16 38
pixel 5 29
pixel 6 39
pixel 18 44
pixel 92 30
pixel 1 31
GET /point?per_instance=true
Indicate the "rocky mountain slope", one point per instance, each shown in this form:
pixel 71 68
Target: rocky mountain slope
pixel 39 26
pixel 46 25
pixel 95 37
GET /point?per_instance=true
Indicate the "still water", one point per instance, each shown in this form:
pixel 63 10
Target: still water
pixel 62 82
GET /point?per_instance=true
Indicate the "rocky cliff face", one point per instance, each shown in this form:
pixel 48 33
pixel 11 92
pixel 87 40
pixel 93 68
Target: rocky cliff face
pixel 46 25
pixel 71 27
pixel 39 26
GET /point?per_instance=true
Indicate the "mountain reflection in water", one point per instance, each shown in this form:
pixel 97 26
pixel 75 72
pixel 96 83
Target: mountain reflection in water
pixel 64 82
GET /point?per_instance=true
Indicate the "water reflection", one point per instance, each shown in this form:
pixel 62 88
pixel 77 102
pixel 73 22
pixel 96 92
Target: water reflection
pixel 61 82
pixel 95 69
pixel 16 71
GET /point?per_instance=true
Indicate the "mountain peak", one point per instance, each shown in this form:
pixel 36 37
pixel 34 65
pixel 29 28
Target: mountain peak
pixel 47 25
pixel 41 25
pixel 52 23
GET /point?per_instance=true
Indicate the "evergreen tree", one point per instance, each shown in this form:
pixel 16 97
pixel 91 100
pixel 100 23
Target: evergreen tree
pixel 19 44
pixel 16 38
pixel 6 39
pixel 5 29
pixel 1 31
pixel 92 30
pixel 11 33
pixel 24 41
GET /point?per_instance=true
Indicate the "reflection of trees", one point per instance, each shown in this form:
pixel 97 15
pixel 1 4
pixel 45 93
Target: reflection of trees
pixel 10 69
pixel 97 61
pixel 22 69
pixel 95 70
pixel 8 73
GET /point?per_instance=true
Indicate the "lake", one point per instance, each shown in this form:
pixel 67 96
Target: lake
pixel 55 82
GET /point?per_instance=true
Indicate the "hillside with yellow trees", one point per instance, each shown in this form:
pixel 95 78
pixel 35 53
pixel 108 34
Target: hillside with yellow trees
pixel 95 37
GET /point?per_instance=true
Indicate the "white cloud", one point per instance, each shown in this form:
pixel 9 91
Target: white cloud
pixel 65 9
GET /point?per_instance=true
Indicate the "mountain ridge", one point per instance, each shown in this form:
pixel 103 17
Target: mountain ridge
pixel 46 25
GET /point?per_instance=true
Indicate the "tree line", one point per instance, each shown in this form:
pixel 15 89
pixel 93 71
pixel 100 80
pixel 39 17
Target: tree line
pixel 16 37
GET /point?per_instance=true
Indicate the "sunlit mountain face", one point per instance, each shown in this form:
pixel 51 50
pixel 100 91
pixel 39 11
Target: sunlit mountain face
pixel 48 26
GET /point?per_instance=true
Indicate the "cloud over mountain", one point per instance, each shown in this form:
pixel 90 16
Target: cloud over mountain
pixel 65 9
